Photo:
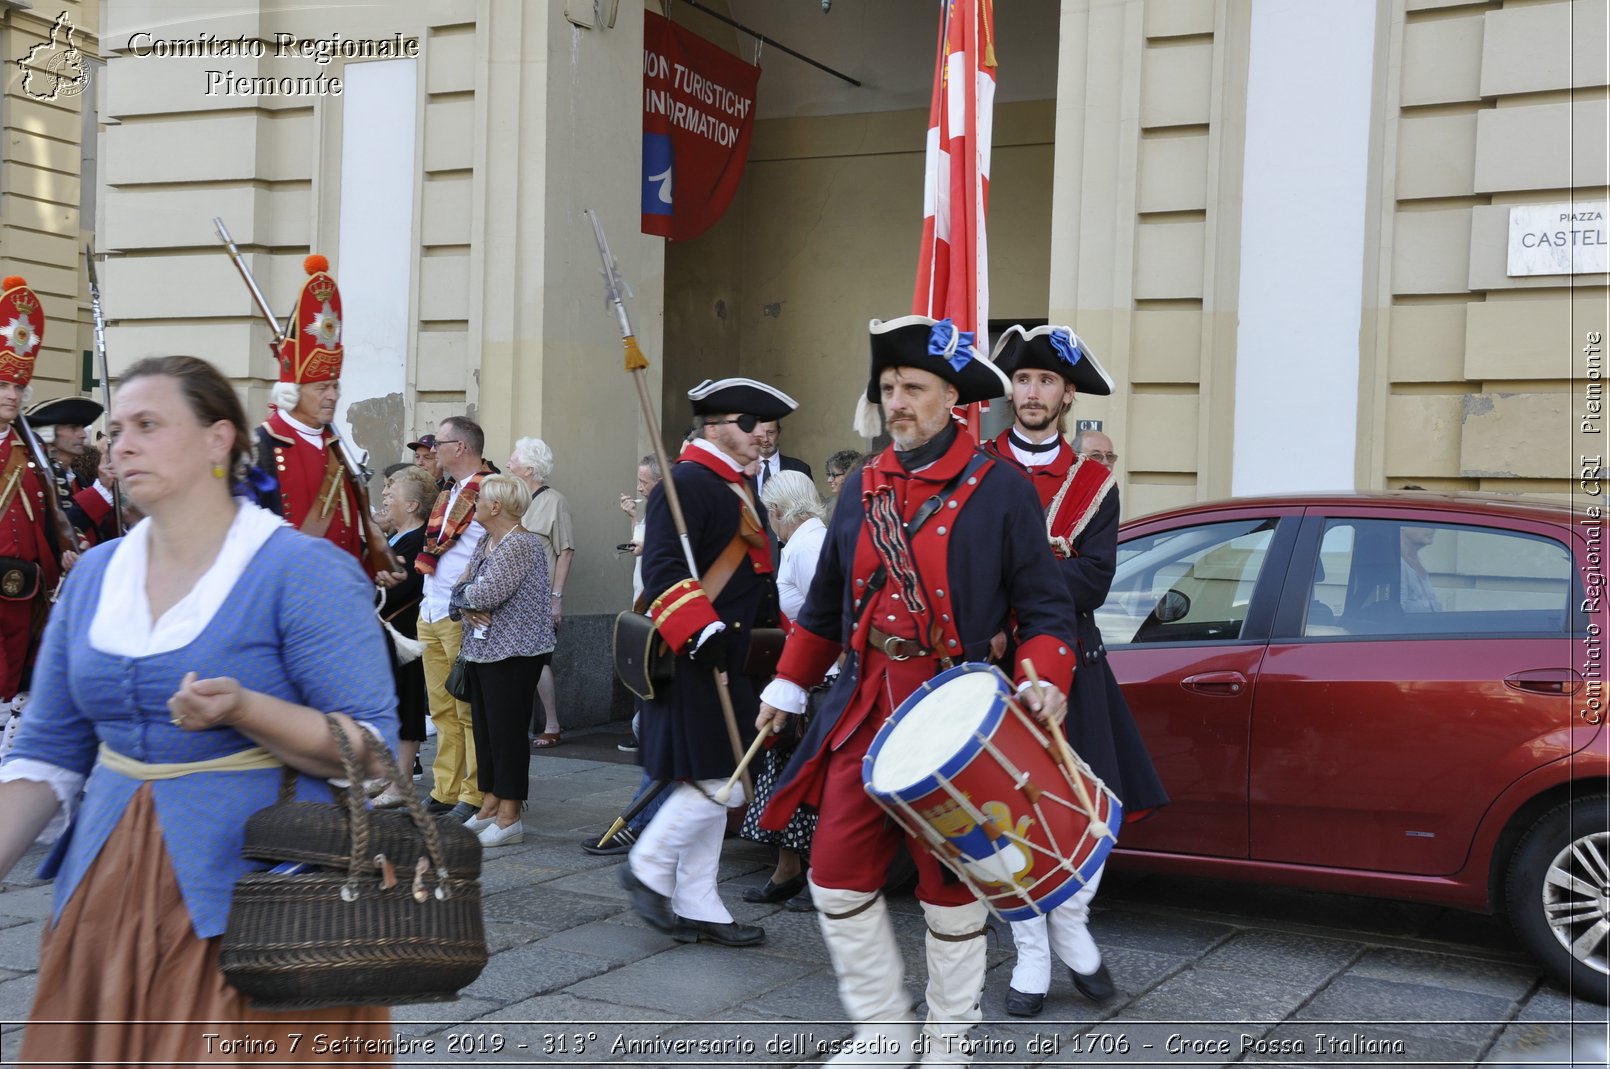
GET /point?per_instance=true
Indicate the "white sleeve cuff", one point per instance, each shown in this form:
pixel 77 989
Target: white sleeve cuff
pixel 709 629
pixel 781 694
pixel 66 785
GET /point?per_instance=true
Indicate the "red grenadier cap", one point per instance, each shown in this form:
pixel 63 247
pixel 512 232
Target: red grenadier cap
pixel 22 330
pixel 312 350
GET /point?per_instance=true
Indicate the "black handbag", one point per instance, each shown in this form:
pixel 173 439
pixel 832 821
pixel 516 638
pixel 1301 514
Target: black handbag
pixel 458 679
pixel 389 912
pixel 642 659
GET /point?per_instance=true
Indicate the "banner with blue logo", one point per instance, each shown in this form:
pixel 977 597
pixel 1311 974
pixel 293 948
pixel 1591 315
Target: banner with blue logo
pixel 698 118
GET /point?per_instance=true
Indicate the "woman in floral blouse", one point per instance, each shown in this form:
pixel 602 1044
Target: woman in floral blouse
pixel 503 601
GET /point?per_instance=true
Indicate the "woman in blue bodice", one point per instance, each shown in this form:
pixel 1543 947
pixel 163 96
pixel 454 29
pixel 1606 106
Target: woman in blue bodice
pixel 184 665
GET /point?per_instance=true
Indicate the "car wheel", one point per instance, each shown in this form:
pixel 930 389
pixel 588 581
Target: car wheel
pixel 1558 895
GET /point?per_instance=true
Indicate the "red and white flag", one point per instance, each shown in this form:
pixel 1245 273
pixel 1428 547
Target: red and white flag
pixel 953 266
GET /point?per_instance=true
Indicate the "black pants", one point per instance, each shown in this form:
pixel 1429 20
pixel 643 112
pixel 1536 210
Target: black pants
pixel 500 705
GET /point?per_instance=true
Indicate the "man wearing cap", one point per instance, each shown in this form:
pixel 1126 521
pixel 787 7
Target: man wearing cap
pixel 1048 366
pixel 670 874
pixel 68 419
pixel 425 456
pixel 295 444
pixel 934 546
pixel 32 555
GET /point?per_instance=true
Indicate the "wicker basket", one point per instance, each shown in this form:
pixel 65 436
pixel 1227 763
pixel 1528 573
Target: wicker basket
pixel 392 917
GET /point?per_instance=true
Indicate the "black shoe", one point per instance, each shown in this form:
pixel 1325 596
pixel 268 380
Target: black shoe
pixel 433 806
pixel 1023 1004
pixel 730 934
pixel 652 906
pixel 620 843
pixel 801 903
pixel 1096 986
pixel 776 892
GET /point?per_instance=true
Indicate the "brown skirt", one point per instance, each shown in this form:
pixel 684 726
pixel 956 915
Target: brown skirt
pixel 123 979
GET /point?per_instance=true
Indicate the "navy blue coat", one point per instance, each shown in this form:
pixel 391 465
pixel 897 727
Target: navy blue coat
pixel 1100 727
pixel 682 731
pixel 1000 569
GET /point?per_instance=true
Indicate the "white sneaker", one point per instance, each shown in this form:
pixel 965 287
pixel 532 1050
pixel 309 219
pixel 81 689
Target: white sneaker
pixel 476 823
pixel 492 835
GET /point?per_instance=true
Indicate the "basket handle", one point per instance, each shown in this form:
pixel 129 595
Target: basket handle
pixel 357 809
pixel 416 810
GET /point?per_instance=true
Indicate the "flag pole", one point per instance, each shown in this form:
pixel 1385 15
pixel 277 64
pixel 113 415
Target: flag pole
pixel 636 364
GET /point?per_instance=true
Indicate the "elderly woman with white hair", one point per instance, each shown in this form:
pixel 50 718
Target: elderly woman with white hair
pixel 548 517
pixel 502 599
pixel 796 515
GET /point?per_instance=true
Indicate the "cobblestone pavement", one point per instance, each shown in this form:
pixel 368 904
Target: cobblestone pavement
pixel 1209 973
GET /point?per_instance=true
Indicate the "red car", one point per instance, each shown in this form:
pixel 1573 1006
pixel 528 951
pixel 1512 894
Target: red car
pixel 1398 695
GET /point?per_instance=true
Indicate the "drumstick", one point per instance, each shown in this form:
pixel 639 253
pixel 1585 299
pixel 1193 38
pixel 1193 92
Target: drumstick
pixel 726 790
pixel 1063 750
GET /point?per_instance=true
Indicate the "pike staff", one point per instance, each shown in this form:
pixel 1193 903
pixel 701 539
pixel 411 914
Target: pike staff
pixel 636 364
pixel 105 372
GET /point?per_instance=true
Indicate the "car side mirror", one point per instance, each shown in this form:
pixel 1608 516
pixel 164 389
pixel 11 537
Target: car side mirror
pixel 1170 607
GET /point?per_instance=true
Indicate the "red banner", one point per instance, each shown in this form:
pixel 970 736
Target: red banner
pixel 953 262
pixel 698 117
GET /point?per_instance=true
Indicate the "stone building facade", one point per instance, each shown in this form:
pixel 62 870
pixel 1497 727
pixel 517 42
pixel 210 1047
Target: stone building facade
pixel 1283 226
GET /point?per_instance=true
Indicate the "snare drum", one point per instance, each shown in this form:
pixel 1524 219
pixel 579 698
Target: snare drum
pixel 965 769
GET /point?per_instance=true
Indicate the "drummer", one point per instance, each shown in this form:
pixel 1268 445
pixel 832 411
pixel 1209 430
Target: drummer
pixel 948 545
pixel 1048 367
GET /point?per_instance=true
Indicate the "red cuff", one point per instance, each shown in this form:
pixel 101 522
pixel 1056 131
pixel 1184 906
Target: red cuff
pixel 681 613
pixel 806 657
pixel 1052 658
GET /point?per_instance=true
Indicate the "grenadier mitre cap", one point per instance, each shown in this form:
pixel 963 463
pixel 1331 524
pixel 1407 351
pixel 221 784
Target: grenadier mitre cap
pixel 744 396
pixel 934 345
pixel 1056 349
pixel 311 351
pixel 22 330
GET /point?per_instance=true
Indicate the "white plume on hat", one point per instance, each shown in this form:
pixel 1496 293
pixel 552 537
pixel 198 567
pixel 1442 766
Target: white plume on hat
pixel 868 421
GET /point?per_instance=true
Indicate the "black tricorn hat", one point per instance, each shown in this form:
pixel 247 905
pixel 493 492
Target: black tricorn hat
pixel 744 396
pixel 1056 349
pixel 78 411
pixel 934 345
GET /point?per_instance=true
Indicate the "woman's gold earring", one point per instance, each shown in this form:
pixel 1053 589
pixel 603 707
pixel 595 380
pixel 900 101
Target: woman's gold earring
pixel 218 471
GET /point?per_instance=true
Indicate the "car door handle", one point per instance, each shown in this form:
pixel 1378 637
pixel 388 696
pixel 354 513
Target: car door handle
pixel 1218 683
pixel 1545 681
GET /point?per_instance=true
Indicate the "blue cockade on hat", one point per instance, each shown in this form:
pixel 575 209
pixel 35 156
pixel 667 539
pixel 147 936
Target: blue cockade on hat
pixel 1066 343
pixel 951 345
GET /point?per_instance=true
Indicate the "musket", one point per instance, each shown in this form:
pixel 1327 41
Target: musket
pixel 376 549
pixel 636 364
pixel 106 375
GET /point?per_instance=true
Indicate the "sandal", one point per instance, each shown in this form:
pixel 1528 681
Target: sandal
pixel 546 740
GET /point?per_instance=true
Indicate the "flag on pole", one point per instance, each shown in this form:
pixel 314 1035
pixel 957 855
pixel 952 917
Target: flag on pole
pixel 953 264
